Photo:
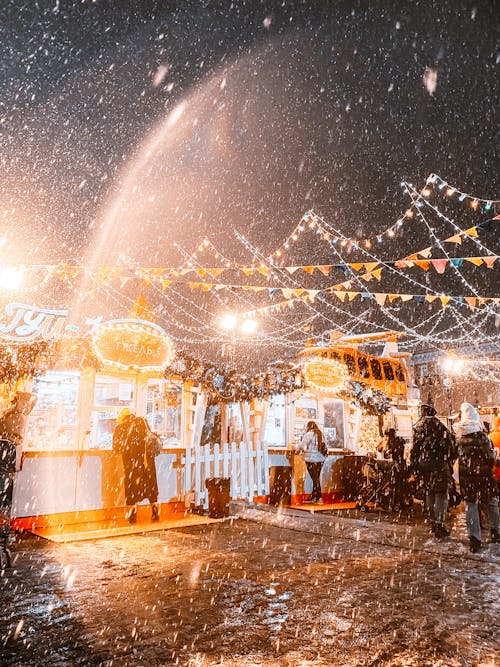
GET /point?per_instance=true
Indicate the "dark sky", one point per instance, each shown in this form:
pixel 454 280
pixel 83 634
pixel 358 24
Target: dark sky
pixel 286 106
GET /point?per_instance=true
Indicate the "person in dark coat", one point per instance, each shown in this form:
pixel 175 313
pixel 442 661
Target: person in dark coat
pixel 395 451
pixel 476 457
pixel 130 439
pixel 432 457
pixel 12 428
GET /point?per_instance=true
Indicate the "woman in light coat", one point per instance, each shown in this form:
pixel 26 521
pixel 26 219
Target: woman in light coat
pixel 312 449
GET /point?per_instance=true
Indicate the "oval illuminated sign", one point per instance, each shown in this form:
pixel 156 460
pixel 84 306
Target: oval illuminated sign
pixel 325 375
pixel 132 345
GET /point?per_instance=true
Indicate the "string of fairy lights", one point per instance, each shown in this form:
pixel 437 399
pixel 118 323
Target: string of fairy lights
pixel 191 320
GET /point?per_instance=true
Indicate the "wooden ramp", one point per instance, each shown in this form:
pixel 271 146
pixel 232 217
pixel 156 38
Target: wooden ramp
pixel 97 530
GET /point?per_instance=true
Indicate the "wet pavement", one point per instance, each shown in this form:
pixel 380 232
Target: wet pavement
pixel 247 594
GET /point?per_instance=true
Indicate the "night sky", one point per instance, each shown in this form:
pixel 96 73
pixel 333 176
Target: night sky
pixel 127 127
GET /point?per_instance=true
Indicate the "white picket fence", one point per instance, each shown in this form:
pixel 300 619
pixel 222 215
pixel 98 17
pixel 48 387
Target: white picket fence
pixel 246 467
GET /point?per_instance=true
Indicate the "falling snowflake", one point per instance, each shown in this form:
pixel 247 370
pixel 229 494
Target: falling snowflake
pixel 430 80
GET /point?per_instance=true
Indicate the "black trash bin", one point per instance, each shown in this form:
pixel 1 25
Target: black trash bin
pixel 280 485
pixel 219 495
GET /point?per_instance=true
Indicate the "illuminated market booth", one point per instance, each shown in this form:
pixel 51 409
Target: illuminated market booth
pixel 82 383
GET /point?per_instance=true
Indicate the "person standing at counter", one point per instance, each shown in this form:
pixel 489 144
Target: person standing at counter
pixel 131 440
pixel 313 451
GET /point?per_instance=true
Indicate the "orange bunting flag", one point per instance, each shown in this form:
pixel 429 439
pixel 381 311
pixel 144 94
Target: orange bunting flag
pixel 325 269
pixel 471 232
pixel 406 297
pixel 489 261
pixel 377 274
pixel 263 270
pixel 402 264
pixel 352 295
pixel 166 283
pixel 215 272
pixel 356 266
pixel 426 252
pixel 206 287
pixel 454 239
pixel 430 298
pixel 201 272
pixel 367 277
pixel 477 261
pixel 471 300
pixel 444 300
pixel 393 297
pixel 308 269
pixel 422 264
pixel 340 295
pixel 439 264
pixel 248 271
pixel 369 266
pixel 410 258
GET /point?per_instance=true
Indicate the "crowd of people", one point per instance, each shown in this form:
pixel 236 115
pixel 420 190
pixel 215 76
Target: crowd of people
pixel 435 452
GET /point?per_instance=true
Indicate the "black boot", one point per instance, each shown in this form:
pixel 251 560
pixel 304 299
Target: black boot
pixel 474 545
pixel 440 531
pixel 495 536
pixel 132 516
pixel 155 512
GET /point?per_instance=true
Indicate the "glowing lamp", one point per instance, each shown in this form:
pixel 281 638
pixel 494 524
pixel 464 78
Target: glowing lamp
pixel 11 278
pixel 248 327
pixel 228 322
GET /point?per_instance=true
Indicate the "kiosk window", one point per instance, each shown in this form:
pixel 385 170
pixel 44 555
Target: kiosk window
pixel 388 372
pixel 376 370
pixel 350 363
pixel 399 373
pixel 335 356
pixel 364 370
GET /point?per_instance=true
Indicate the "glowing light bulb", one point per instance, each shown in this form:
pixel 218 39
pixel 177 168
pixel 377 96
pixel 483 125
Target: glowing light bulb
pixel 390 232
pixel 248 327
pixel 450 192
pixel 228 322
pixel 474 204
pixel 426 192
pixel 11 278
pixel 409 213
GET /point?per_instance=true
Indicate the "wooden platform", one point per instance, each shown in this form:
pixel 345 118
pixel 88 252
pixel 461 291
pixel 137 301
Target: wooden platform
pixel 324 507
pixel 97 530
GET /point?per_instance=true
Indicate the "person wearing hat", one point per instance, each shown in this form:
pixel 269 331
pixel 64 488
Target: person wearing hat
pixel 476 458
pixel 131 440
pixel 432 456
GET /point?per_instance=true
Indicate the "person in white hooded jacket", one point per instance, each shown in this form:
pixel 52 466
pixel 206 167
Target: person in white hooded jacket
pixel 476 459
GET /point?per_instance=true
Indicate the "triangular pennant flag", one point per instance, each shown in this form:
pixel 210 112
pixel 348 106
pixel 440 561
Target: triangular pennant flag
pixel 308 269
pixel 340 295
pixel 471 232
pixel 419 298
pixel 166 283
pixel 263 270
pixel 287 292
pixel 409 258
pixel 201 272
pixel 366 295
pixel 206 287
pixel 215 272
pixel 471 300
pixel 367 277
pixel 298 292
pixel 377 274
pixel 380 298
pixel 477 261
pixel 430 298
pixel 247 271
pixel 422 264
pixel 401 264
pixel 272 290
pixel 357 266
pixel 444 300
pixel 490 260
pixel 457 262
pixel 439 264
pixel 352 295
pixel 369 266
pixel 406 297
pixel 393 297
pixel 325 269
pixel 312 294
pixel 426 252
pixel 291 269
pixel 454 239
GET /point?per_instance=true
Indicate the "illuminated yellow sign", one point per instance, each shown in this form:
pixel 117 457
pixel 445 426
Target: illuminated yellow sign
pixel 132 345
pixel 326 375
